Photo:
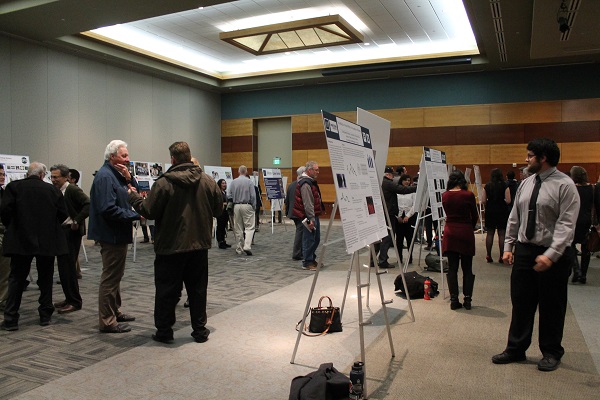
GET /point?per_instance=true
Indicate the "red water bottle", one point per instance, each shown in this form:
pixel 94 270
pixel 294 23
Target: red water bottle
pixel 426 286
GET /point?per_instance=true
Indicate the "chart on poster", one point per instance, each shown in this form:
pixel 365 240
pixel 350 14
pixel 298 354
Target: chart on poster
pixel 356 184
pixel 15 167
pixel 437 176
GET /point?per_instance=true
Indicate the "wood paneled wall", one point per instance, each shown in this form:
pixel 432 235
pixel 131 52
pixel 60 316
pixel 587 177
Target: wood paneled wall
pixel 488 135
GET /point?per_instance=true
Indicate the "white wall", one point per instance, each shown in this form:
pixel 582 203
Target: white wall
pixel 60 108
pixel 274 140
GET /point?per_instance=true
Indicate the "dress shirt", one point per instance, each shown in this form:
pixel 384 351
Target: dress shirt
pixel 241 191
pixel 557 210
pixel 63 188
pixel 406 204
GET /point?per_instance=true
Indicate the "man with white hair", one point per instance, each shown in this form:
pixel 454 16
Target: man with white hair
pixel 32 211
pixel 242 193
pixel 110 224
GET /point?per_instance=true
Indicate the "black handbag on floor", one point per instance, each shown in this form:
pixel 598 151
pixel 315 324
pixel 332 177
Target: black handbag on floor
pixel 324 319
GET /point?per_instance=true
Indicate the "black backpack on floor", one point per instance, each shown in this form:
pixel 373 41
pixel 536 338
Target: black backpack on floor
pixel 414 284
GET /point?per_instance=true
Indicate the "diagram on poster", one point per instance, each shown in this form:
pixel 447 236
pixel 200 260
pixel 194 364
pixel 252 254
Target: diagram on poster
pixel 356 184
pixel 15 167
pixel 437 176
pixel 219 173
pixel 274 186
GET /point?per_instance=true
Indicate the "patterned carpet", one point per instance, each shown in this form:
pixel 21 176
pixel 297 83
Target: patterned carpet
pixel 35 355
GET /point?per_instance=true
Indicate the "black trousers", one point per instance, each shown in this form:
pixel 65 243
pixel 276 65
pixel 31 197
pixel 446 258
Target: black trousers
pixel 170 273
pixel 222 226
pixel 19 270
pixel 297 250
pixel 67 269
pixel 387 242
pixel 530 289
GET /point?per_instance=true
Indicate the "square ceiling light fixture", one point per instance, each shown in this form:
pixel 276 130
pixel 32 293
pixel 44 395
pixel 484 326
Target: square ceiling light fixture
pixel 310 33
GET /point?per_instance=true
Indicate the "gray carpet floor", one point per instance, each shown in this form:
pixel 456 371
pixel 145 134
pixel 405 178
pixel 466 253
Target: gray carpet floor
pixel 442 353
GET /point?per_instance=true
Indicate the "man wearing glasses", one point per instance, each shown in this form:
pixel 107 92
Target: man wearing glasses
pixel 538 240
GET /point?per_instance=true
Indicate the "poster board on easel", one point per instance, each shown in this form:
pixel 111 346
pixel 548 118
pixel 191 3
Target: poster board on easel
pixel 480 189
pixel 275 191
pixel 15 167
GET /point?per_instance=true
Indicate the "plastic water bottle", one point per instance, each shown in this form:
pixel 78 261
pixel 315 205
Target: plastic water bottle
pixel 426 287
pixel 357 379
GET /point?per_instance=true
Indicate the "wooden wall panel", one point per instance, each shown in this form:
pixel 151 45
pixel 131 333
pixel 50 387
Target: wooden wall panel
pixel 423 136
pixel 299 157
pixel 508 154
pixel 237 127
pixel 457 115
pixel 309 140
pixel 403 118
pixel 523 113
pixel 234 160
pixel 327 191
pixel 299 123
pixel 404 155
pixel 588 131
pixel 579 152
pixel 490 134
pixel 581 110
pixel 470 154
pixel 320 156
pixel 232 144
pixel 315 123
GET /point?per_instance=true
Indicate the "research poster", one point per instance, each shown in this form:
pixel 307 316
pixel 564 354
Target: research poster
pixel 356 183
pixel 478 183
pixel 219 173
pixel 273 183
pixel 437 178
pixel 15 167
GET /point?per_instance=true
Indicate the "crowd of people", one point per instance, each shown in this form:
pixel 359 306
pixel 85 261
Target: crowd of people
pixel 539 220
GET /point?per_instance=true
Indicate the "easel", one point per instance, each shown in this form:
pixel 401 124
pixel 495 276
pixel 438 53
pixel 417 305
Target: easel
pixel 354 266
pixel 280 202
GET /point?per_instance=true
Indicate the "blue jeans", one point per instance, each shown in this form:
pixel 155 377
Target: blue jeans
pixel 310 242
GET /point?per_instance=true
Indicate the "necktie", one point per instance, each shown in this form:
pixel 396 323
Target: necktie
pixel 530 230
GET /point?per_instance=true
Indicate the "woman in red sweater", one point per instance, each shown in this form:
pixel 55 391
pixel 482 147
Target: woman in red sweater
pixel 458 242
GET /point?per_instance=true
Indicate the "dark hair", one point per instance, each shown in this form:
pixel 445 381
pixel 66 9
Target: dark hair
pixel 219 182
pixel 62 168
pixel 579 174
pixel 74 174
pixel 545 147
pixel 456 178
pixel 180 151
pixel 496 175
pixel 404 177
pixel 510 174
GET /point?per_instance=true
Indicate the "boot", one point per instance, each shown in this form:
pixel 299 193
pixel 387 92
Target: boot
pixel 468 282
pixel 453 288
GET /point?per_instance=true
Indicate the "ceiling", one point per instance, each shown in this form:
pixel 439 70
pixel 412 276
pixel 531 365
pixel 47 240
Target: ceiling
pixel 509 34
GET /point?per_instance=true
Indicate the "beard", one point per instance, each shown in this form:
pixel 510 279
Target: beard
pixel 534 167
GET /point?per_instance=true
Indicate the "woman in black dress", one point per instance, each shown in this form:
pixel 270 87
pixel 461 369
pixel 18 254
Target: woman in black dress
pixel 496 196
pixel 584 222
pixel 223 218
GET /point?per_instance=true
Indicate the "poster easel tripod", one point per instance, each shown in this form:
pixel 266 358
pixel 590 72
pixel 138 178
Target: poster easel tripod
pixel 354 266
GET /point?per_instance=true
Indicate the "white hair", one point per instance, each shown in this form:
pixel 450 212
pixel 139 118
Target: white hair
pixel 113 147
pixel 300 171
pixel 36 168
pixel 243 170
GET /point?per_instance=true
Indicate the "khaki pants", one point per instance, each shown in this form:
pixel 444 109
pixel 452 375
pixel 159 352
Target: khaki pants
pixel 243 219
pixel 109 294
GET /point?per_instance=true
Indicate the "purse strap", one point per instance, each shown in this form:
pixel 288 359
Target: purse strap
pixel 330 302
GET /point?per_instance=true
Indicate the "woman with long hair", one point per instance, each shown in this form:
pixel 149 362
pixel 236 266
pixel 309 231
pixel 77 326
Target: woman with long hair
pixel 584 222
pixel 458 243
pixel 496 196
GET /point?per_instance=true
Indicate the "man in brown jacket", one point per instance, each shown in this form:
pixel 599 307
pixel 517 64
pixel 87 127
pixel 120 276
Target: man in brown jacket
pixel 183 202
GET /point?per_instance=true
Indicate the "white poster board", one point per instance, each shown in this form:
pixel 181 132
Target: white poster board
pixel 422 196
pixel 15 167
pixel 219 173
pixel 437 178
pixel 478 183
pixel 356 182
pixel 379 130
pixel 274 187
pixel 468 175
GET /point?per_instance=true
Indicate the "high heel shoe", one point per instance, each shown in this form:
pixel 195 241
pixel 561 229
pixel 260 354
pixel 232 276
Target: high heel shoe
pixel 488 259
pixel 500 260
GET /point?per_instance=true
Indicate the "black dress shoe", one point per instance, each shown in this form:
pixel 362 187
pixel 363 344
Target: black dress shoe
pixel 119 328
pixel 44 321
pixel 227 245
pixel 125 318
pixel 167 340
pixel 201 336
pixel 222 245
pixel 548 363
pixel 9 327
pixel 248 252
pixel 297 258
pixel 506 358
pixel 68 309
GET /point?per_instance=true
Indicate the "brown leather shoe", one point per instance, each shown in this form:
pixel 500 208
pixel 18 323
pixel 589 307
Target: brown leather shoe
pixel 68 309
pixel 60 304
pixel 119 328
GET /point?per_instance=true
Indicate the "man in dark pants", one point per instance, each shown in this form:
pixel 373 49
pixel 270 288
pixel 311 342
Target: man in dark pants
pixel 78 207
pixel 32 211
pixel 538 240
pixel 289 207
pixel 183 202
pixel 390 191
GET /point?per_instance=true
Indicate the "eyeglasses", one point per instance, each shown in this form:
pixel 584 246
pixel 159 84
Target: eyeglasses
pixel 530 156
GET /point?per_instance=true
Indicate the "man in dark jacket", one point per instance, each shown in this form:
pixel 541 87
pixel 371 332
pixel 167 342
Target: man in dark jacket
pixel 78 207
pixel 390 191
pixel 183 202
pixel 32 211
pixel 111 219
pixel 308 205
pixel 289 208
